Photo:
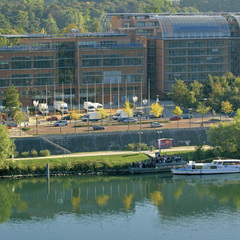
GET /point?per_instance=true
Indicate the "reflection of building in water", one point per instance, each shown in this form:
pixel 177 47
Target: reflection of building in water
pixel 119 195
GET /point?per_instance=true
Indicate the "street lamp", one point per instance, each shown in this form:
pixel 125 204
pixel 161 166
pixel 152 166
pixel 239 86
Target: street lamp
pixel 145 101
pixel 140 140
pixel 135 98
pixel 189 114
pixel 159 141
pixel 157 99
pixel 35 104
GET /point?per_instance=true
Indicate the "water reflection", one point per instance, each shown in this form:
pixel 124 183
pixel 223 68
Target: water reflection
pixel 171 196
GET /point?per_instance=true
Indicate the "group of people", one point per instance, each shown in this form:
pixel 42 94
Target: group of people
pixel 157 159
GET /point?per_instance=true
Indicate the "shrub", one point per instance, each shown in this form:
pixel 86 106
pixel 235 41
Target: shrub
pixel 33 153
pixel 131 147
pixel 44 153
pixel 16 154
pixel 24 154
pixel 26 129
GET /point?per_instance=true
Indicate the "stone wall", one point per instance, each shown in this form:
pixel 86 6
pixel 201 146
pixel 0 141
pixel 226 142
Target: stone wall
pixel 108 141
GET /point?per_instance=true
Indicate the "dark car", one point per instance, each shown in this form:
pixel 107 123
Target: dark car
pixel 138 113
pixel 156 124
pixel 175 118
pixel 129 120
pixel 52 119
pixel 121 119
pixel 61 123
pixel 11 124
pixel 68 117
pixel 231 115
pixel 187 116
pixel 152 116
pixel 97 127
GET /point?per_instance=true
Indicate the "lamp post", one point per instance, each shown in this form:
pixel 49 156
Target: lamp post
pixel 189 114
pixel 110 112
pixel 145 101
pixel 157 99
pixel 140 140
pixel 159 141
pixel 35 104
pixel 135 98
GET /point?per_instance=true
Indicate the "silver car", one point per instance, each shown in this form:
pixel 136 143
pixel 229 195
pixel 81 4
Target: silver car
pixel 61 123
pixel 156 124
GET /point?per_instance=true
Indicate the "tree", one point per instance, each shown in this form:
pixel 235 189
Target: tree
pixel 202 109
pixel 227 107
pixel 177 111
pixel 128 109
pixel 156 109
pixel 102 113
pixel 11 101
pixel 7 145
pixel 74 116
pixel 225 138
pixel 20 117
pixel 179 92
pixel 50 25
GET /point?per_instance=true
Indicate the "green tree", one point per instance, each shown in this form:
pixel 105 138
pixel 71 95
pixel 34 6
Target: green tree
pixel 20 117
pixel 7 145
pixel 11 99
pixel 177 111
pixel 50 25
pixel 202 109
pixel 227 107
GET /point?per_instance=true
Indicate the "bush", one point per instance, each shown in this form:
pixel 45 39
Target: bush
pixel 33 153
pixel 131 147
pixel 135 146
pixel 26 129
pixel 24 154
pixel 16 154
pixel 44 153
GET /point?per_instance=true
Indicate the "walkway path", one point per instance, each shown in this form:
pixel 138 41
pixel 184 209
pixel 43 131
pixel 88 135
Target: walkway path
pixel 89 154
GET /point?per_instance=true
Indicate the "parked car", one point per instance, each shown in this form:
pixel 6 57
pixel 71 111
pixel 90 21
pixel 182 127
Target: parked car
pixel 187 116
pixel 152 116
pixel 97 127
pixel 156 124
pixel 121 119
pixel 61 123
pixel 68 117
pixel 175 118
pixel 52 119
pixel 231 114
pixel 138 113
pixel 129 120
pixel 11 124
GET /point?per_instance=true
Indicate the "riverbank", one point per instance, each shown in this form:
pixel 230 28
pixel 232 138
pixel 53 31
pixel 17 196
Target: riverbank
pixel 85 163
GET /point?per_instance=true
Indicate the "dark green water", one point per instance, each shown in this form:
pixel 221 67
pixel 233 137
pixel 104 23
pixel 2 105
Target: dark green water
pixel 121 207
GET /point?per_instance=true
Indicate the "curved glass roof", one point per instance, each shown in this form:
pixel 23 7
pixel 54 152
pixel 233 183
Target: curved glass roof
pixel 193 26
pixel 237 17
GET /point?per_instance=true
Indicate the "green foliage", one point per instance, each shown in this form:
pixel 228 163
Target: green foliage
pixel 16 154
pixel 7 145
pixel 24 154
pixel 225 137
pixel 44 153
pixel 11 99
pixel 136 146
pixel 33 153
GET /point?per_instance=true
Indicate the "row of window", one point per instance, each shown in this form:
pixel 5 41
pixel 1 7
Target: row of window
pixel 112 62
pixel 195 44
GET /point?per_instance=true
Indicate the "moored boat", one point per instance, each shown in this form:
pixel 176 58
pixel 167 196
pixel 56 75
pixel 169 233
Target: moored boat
pixel 215 167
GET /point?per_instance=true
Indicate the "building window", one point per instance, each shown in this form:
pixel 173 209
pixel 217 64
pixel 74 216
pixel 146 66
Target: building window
pixel 91 78
pixel 132 61
pixel 4 65
pixel 21 80
pixel 43 79
pixel 21 62
pixel 43 61
pixel 4 82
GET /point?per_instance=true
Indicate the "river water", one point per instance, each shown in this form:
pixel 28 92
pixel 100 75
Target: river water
pixel 138 207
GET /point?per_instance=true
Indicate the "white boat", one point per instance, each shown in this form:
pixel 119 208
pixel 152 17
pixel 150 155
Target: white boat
pixel 216 167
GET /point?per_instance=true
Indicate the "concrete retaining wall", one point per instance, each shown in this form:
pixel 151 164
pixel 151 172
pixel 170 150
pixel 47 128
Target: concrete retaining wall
pixel 106 141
